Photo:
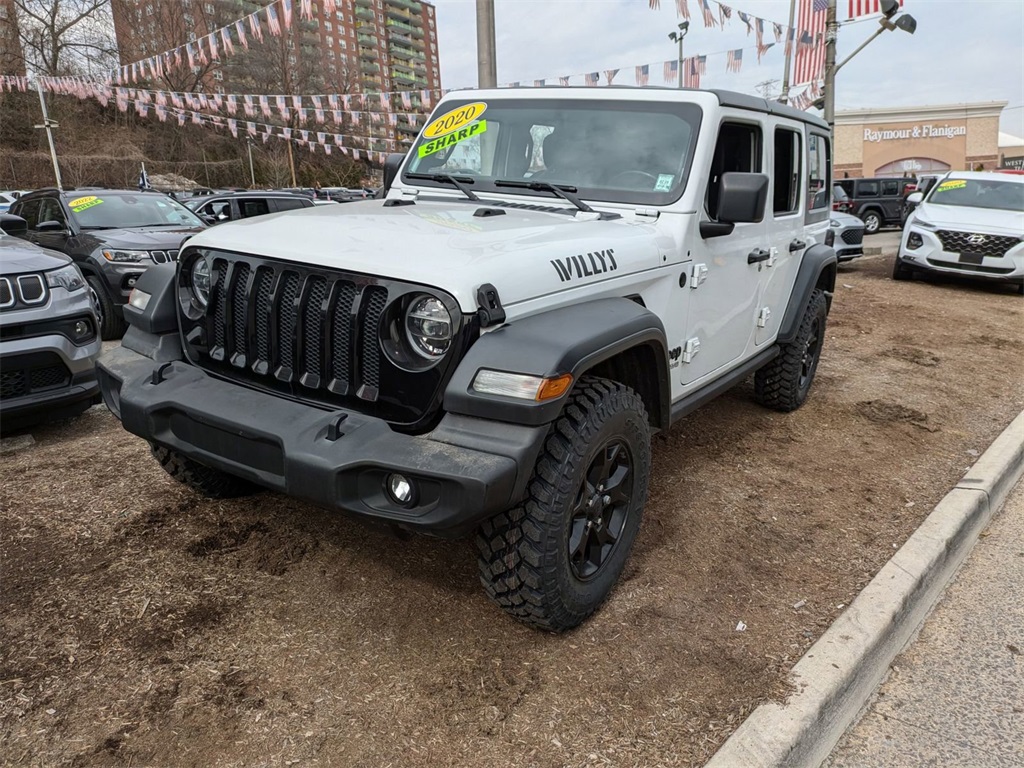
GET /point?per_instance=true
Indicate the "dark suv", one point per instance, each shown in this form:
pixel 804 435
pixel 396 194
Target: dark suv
pixel 231 206
pixel 113 235
pixel 877 202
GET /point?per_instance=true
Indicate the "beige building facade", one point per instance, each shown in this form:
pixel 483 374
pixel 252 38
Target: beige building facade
pixel 909 141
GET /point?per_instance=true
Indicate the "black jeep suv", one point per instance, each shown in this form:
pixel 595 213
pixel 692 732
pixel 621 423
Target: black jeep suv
pixel 877 202
pixel 113 235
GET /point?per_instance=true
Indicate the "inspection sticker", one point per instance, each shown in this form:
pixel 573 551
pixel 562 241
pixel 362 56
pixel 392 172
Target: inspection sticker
pixel 664 182
pixel 79 204
pixel 473 129
pixel 455 119
pixel 953 184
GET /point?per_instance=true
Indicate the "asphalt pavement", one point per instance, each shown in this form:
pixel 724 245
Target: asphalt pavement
pixel 955 696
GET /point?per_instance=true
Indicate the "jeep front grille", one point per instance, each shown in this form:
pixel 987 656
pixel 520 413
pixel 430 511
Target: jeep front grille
pixel 989 245
pixel 313 334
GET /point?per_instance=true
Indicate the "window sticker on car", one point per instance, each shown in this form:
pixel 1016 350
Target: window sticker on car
pixel 664 182
pixel 79 204
pixel 952 184
pixel 473 129
pixel 455 119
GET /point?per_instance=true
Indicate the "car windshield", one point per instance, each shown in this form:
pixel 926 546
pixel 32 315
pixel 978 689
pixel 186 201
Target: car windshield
pixel 979 193
pixel 623 151
pixel 102 211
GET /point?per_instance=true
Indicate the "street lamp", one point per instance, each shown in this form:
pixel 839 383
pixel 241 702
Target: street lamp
pixel 252 173
pixel 684 27
pixel 889 8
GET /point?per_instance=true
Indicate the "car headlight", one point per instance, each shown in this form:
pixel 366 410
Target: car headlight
pixel 927 225
pixel 69 278
pixel 199 276
pixel 125 256
pixel 428 327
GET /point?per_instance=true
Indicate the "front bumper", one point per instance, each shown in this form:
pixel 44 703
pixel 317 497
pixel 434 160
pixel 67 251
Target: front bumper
pixel 930 256
pixel 465 470
pixel 47 376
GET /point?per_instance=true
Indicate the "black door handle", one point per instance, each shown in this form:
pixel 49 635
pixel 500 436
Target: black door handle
pixel 797 245
pixel 758 254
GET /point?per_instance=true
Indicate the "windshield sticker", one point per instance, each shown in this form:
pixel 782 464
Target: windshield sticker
pixel 664 182
pixel 953 184
pixel 473 129
pixel 585 265
pixel 79 204
pixel 455 119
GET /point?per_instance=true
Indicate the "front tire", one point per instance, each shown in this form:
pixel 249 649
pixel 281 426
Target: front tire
pixel 111 321
pixel 783 383
pixel 207 481
pixel 872 222
pixel 552 561
pixel 900 271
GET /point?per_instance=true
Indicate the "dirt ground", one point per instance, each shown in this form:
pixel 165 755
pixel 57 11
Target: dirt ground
pixel 143 625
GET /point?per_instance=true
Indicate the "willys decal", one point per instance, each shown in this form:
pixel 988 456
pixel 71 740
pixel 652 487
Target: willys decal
pixel 585 265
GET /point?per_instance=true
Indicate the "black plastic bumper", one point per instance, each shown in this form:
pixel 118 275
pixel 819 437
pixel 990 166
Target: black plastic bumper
pixel 464 471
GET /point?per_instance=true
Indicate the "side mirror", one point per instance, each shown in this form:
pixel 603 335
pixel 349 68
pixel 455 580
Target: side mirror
pixel 13 225
pixel 741 199
pixel 391 165
pixel 915 197
pixel 50 226
pixel 209 219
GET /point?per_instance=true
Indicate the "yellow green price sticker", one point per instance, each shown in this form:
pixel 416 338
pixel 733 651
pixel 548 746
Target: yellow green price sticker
pixel 436 145
pixel 82 203
pixel 953 184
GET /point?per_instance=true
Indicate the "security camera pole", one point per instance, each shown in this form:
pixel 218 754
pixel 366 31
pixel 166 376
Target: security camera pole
pixel 487 64
pixel 889 8
pixel 684 27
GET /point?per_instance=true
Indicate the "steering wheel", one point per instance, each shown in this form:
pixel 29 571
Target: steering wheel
pixel 643 175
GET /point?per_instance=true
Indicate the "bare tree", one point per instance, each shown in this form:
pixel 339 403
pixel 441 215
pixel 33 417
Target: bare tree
pixel 65 37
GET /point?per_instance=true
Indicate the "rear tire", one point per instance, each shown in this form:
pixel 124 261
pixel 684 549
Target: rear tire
pixel 783 383
pixel 207 481
pixel 900 271
pixel 872 221
pixel 111 321
pixel 552 561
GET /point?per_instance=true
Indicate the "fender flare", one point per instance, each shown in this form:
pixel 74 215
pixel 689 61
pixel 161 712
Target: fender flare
pixel 817 271
pixel 571 339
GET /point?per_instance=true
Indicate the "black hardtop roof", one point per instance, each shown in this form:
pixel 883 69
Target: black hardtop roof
pixel 725 99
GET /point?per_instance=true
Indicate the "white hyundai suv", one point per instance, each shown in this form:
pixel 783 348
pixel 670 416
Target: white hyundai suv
pixel 970 224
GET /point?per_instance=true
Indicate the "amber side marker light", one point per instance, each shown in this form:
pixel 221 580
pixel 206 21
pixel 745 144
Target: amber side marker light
pixel 555 387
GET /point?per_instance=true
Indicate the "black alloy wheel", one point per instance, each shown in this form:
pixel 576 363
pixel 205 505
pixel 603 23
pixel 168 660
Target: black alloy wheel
pixel 601 508
pixel 810 357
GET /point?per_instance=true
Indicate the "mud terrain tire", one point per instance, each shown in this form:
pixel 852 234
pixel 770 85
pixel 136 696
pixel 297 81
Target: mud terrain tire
pixel 783 383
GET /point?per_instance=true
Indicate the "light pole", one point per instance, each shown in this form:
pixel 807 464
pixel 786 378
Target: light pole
pixel 888 22
pixel 684 27
pixel 252 173
pixel 49 125
pixel 487 64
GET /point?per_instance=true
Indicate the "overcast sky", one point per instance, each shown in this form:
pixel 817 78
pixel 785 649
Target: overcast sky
pixel 962 51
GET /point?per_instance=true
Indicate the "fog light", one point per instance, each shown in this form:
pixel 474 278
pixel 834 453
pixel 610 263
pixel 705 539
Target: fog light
pixel 914 240
pixel 82 329
pixel 401 489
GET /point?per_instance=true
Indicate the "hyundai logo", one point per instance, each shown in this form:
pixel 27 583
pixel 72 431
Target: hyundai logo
pixel 976 239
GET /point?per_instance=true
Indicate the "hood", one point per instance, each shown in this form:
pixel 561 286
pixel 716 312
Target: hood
pixel 965 219
pixel 523 253
pixel 846 220
pixel 147 239
pixel 18 256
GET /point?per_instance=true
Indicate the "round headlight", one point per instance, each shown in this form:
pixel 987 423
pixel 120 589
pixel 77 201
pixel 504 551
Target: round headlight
pixel 200 277
pixel 428 327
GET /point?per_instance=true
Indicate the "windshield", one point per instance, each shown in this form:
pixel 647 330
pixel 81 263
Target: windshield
pixel 99 211
pixel 630 152
pixel 979 193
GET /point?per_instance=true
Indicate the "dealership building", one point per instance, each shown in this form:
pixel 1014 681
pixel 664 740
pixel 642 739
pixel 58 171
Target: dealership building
pixel 908 141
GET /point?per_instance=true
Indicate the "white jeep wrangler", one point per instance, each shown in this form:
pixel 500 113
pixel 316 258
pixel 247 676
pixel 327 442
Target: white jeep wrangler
pixel 554 276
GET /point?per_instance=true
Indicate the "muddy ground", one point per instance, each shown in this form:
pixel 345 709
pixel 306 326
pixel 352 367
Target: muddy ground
pixel 143 625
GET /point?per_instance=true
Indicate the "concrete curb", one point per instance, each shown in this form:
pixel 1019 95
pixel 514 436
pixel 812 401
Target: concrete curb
pixel 874 250
pixel 840 672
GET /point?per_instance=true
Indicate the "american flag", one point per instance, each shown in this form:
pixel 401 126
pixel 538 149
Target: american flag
pixel 654 4
pixel 671 71
pixel 286 13
pixel 691 73
pixel 272 23
pixel 810 51
pixel 211 40
pixel 701 63
pixel 709 17
pixel 563 80
pixel 318 109
pixel 643 75
pixel 762 48
pixel 610 74
pixel 591 78
pixel 329 6
pixel 250 109
pixel 255 27
pixel 745 19
pixel 225 38
pixel 250 128
pixel 682 9
pixel 240 31
pixel 306 9
pixel 724 12
pixel 789 42
pixel 232 104
pixel 538 83
pixel 734 60
pixel 777 29
pixel 865 7
pixel 233 127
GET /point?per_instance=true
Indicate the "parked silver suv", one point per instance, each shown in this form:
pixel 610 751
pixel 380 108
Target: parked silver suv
pixel 49 339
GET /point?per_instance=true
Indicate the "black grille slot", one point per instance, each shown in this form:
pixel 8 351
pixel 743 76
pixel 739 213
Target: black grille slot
pixel 13 383
pixel 159 257
pixel 312 326
pixel 6 295
pixel 853 236
pixel 217 298
pixel 36 372
pixel 239 310
pixel 289 290
pixel 48 377
pixel 341 335
pixel 989 245
pixel 375 299
pixel 264 283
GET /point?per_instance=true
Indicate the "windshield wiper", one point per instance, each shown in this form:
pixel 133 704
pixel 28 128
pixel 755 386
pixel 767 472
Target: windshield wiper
pixel 456 181
pixel 564 191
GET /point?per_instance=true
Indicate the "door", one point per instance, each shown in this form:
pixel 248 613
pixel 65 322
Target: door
pixel 50 213
pixel 892 198
pixel 725 285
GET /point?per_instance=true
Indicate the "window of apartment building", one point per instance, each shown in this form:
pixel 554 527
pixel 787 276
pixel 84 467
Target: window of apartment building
pixel 330 41
pixel 208 8
pixel 149 10
pixel 343 43
pixel 218 75
pixel 328 26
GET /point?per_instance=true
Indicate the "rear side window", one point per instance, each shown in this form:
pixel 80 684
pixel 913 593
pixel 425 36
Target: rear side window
pixel 738 149
pixel 891 188
pixel 249 208
pixel 867 189
pixel 786 183
pixel 29 211
pixel 288 204
pixel 819 172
